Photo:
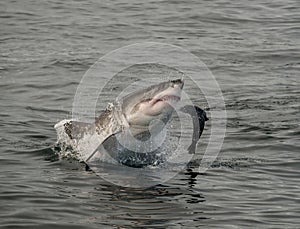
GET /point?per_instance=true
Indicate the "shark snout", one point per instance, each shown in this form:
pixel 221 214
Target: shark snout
pixel 177 83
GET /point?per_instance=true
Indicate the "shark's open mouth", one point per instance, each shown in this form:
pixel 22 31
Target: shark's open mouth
pixel 168 98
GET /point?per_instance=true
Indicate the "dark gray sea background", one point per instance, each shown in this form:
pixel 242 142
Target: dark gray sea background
pixel 251 47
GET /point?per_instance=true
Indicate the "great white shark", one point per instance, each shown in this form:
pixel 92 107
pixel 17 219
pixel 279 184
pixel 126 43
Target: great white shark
pixel 139 114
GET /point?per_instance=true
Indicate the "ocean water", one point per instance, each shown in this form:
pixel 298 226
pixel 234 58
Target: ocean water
pixel 252 49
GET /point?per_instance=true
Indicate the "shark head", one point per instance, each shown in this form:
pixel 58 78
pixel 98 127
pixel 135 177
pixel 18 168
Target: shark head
pixel 155 104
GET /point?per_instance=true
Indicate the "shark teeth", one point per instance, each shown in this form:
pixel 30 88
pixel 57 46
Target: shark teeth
pixel 169 98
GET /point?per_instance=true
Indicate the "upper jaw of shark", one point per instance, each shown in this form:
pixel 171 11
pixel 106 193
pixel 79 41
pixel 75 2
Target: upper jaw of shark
pixel 171 94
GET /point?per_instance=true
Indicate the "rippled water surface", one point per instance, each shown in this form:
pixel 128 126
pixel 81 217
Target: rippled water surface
pixel 252 48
